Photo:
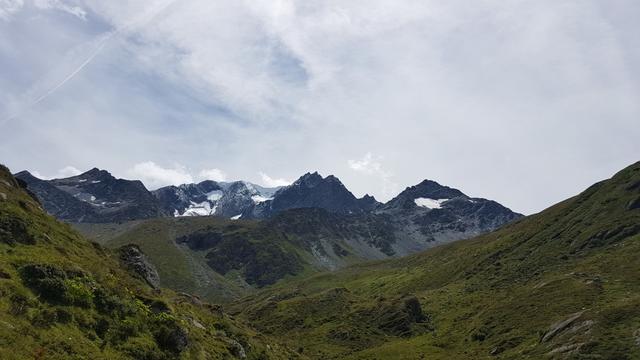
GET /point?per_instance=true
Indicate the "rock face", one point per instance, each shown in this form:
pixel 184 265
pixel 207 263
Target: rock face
pixel 313 191
pixel 134 259
pixel 94 196
pixel 430 212
pixel 176 200
pixel 234 199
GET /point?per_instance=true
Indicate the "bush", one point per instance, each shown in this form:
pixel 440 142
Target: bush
pixel 20 302
pixel 13 230
pixel 49 317
pixel 78 292
pixel 142 348
pixel 47 280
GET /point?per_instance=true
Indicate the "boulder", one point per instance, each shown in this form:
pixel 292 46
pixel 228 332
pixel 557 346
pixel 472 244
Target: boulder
pixel 134 259
pixel 560 326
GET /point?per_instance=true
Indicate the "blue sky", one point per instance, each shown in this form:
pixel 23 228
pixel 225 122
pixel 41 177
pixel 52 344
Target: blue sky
pixel 525 102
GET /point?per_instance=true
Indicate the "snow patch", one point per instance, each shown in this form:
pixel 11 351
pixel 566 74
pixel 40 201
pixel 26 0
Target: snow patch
pixel 198 209
pixel 94 181
pixel 430 203
pixel 214 195
pixel 236 217
pixel 260 198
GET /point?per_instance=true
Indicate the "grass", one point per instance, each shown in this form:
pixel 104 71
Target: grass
pixel 63 297
pixel 494 296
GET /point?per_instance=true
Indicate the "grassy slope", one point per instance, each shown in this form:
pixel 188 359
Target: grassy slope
pixel 495 296
pixel 184 269
pixel 62 297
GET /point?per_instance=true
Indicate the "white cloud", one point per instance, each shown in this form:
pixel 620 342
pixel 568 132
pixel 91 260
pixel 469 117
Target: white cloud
pixel 61 5
pixel 268 181
pixel 68 171
pixel 367 165
pixel 9 7
pixel 373 167
pixel 155 176
pixel 212 174
pixel 65 172
pixel 507 90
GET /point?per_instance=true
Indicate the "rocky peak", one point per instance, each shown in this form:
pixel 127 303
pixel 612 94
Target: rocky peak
pixel 311 190
pixel 94 196
pixel 432 190
pixel 309 180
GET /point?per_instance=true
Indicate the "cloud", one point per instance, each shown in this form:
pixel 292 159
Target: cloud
pixel 371 166
pixel 68 171
pixel 65 172
pixel 268 181
pixel 9 7
pixel 61 5
pixel 155 176
pixel 367 165
pixel 212 174
pixel 507 91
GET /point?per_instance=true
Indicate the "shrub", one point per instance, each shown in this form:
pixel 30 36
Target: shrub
pixel 47 280
pixel 78 292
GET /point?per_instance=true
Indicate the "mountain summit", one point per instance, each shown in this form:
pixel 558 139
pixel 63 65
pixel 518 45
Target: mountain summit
pixel 94 196
pixel 311 190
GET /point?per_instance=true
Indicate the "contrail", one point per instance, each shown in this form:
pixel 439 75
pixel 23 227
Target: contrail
pixel 145 18
pixel 74 72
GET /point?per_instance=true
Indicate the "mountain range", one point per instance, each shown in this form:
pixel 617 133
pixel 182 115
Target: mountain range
pixel 232 237
pixel 96 196
pixel 560 284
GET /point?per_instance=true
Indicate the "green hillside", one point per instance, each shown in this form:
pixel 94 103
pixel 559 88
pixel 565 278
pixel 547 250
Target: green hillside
pixel 562 284
pixel 62 297
pixel 222 260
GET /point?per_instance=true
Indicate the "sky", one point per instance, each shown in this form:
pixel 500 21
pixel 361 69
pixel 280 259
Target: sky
pixel 523 102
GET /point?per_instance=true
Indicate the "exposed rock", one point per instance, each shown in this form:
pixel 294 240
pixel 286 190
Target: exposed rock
pixel 237 350
pixel 566 349
pixel 135 260
pixel 193 299
pixel 197 324
pixel 636 336
pixel 413 309
pixel 560 326
pixel 94 196
pixel 3 196
pixel 174 339
pixel 313 191
pixel 634 204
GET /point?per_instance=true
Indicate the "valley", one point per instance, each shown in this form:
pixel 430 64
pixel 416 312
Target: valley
pixel 324 284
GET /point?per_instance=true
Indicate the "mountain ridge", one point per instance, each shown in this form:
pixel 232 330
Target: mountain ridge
pixel 208 197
